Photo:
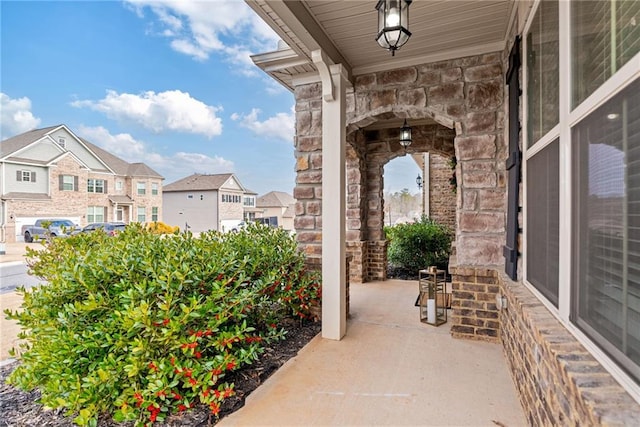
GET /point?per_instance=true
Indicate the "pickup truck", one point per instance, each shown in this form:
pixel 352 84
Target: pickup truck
pixel 54 227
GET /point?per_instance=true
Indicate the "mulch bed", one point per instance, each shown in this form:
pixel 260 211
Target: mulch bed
pixel 19 409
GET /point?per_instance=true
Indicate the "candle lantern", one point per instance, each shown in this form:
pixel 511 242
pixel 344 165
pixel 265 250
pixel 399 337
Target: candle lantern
pixel 432 297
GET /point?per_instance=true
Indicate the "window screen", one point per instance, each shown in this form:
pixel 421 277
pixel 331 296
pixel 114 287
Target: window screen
pixel 606 233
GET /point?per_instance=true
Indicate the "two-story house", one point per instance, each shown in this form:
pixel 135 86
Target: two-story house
pixel 52 172
pixel 202 202
pixel 279 208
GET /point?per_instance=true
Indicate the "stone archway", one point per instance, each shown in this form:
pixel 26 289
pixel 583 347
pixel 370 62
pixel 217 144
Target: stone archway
pixel 465 95
pixel 369 149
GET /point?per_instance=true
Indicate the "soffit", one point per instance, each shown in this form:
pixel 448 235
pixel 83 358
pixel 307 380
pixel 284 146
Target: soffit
pixel 346 30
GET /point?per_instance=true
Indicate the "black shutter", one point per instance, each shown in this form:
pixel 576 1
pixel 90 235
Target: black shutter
pixel 33 177
pixel 60 182
pixel 18 175
pixel 510 250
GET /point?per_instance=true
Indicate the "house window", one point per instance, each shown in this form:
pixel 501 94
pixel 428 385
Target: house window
pixel 96 213
pixel 26 176
pixel 249 201
pixel 96 186
pixel 154 188
pixel 154 214
pixel 141 187
pixel 119 185
pixel 606 231
pixel 604 36
pixel 142 215
pixel 543 221
pixel 68 183
pixel 61 142
pixel 543 72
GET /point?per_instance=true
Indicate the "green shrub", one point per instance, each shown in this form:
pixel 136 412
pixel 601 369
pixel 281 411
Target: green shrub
pixel 142 325
pixel 418 245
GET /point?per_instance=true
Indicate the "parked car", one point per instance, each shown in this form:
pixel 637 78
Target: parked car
pixel 111 228
pixel 44 228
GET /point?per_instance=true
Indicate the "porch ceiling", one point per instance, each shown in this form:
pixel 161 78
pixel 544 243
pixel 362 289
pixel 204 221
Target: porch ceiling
pixel 346 30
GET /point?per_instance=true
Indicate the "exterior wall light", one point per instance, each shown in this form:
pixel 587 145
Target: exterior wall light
pixel 393 24
pixel 405 135
pixel 419 181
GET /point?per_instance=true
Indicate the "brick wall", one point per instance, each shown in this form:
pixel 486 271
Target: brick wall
pixel 559 382
pixel 442 195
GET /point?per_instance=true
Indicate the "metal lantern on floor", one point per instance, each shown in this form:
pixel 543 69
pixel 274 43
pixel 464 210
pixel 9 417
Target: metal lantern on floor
pixel 432 298
pixel 393 24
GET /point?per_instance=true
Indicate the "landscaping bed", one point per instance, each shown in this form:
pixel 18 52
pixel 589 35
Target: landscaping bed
pixel 20 409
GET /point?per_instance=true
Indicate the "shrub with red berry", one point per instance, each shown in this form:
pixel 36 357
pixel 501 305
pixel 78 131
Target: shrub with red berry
pixel 142 325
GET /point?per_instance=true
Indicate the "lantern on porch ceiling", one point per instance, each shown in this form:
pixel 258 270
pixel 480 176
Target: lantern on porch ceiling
pixel 405 135
pixel 393 24
pixel 419 181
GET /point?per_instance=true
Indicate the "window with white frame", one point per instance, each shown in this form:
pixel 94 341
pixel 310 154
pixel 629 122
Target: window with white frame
pixel 249 201
pixel 154 188
pixel 142 214
pixel 543 71
pixel 96 213
pixel 141 187
pixel 606 228
pixel 96 186
pixel 604 36
pixel 582 253
pixel 154 214
pixel 119 185
pixel 543 165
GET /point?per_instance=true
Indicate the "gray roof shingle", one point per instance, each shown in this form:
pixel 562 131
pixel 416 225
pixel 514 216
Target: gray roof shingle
pixel 275 199
pixel 116 164
pixel 198 182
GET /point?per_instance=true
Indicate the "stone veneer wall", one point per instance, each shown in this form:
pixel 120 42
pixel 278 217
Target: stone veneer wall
pixel 559 382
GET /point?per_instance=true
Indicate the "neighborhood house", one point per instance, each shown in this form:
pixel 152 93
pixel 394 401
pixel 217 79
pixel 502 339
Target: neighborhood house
pixel 202 202
pixel 53 173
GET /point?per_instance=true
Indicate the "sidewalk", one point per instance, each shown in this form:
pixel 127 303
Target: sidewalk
pixel 9 329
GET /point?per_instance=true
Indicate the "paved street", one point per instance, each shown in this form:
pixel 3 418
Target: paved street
pixel 13 275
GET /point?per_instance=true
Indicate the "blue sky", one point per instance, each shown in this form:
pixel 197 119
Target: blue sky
pixel 168 83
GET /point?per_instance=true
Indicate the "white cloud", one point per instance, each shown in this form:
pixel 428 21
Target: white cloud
pixel 16 116
pixel 171 110
pixel 199 28
pixel 172 167
pixel 280 126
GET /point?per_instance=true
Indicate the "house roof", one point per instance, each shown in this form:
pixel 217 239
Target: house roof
pixel 275 199
pixel 116 164
pixel 198 182
pixel 120 200
pixel 15 143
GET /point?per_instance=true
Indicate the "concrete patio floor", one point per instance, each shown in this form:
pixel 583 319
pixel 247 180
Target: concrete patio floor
pixel 390 369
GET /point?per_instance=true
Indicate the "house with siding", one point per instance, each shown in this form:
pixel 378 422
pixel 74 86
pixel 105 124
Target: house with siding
pixel 54 173
pixel 539 104
pixel 202 202
pixel 278 205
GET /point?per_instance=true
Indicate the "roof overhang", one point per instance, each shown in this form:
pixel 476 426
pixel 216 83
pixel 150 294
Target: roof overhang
pixel 345 33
